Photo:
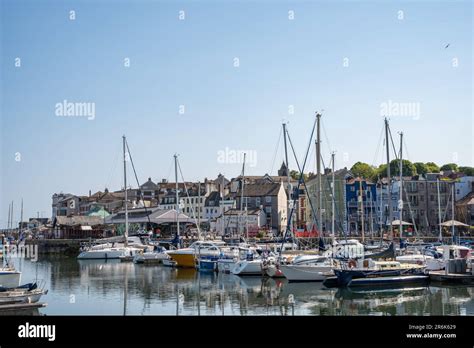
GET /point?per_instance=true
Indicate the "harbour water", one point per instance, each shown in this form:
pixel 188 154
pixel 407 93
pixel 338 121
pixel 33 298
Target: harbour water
pixel 114 288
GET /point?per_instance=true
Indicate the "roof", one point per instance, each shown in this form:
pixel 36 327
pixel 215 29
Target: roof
pixel 214 197
pixel 467 200
pixel 149 185
pixel 155 215
pixel 260 190
pixel 241 212
pixel 78 220
pixel 358 179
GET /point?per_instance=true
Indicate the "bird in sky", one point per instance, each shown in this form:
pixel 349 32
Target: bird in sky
pixel 447 45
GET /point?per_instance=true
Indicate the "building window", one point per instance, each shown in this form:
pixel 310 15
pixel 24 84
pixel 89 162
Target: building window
pixel 352 189
pixel 268 199
pixel 257 201
pixel 268 210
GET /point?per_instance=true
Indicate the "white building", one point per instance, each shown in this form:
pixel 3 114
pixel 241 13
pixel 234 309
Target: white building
pixel 237 222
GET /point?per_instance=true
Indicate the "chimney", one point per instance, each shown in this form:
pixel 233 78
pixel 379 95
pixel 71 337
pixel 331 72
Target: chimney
pixel 90 193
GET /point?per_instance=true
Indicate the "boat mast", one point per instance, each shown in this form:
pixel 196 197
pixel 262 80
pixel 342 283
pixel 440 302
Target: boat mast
pixel 199 209
pixel 439 212
pixel 389 191
pixel 333 203
pixel 177 194
pixel 371 215
pixel 452 207
pixel 8 221
pixel 318 169
pixel 361 198
pixel 21 219
pixel 12 225
pixel 125 187
pixel 289 205
pixel 400 202
pixel 242 195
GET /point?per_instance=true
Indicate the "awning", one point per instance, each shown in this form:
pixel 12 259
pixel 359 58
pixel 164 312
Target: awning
pixel 451 223
pixel 86 228
pixel 397 223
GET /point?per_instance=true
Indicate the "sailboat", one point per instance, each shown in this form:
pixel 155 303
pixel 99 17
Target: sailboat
pixel 186 257
pixel 111 250
pixel 318 267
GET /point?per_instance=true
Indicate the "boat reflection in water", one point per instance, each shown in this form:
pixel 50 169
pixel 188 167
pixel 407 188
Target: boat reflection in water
pixel 89 287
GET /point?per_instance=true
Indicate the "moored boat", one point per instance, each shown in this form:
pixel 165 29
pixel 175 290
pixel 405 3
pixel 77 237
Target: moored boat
pixel 394 281
pixel 186 257
pixel 9 277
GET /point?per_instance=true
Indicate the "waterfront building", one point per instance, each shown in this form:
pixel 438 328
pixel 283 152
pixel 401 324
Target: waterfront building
pixel 161 221
pixel 65 204
pixel 360 200
pixel 269 197
pixel 465 209
pixel 236 222
pixel 340 178
pixel 463 186
pixel 78 227
pixel 420 202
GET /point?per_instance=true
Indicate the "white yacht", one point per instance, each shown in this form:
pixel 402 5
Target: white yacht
pixel 9 277
pixel 154 256
pixel 250 265
pixel 112 250
pixel 448 252
pixel 308 268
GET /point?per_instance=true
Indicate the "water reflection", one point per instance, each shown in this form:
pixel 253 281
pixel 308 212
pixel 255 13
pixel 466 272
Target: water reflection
pixel 115 288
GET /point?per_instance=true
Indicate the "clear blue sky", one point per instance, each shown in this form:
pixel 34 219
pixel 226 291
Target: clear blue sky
pixel 172 62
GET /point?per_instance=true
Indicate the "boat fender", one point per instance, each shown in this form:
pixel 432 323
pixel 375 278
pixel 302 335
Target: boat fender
pixel 352 263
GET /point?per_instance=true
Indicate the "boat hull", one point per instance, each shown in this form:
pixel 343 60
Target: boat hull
pixel 24 296
pixel 225 265
pixel 100 254
pixel 10 279
pixel 397 281
pixel 207 265
pixel 183 260
pixel 298 273
pixel 248 268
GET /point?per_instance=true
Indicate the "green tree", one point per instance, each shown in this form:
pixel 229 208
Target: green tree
pixel 449 166
pixel 296 175
pixel 469 171
pixel 409 168
pixel 432 167
pixel 421 168
pixel 363 170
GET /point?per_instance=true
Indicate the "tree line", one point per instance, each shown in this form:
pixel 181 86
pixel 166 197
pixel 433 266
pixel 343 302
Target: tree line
pixel 366 171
